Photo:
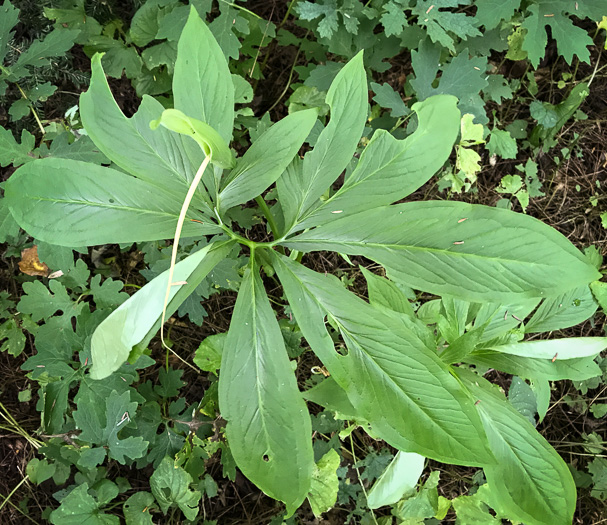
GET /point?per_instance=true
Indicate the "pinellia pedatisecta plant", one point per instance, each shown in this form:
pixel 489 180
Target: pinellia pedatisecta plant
pixel 176 176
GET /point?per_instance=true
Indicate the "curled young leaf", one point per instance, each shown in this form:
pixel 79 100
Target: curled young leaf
pixel 207 138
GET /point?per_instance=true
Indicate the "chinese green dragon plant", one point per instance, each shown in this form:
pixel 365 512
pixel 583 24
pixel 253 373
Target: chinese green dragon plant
pixel 405 391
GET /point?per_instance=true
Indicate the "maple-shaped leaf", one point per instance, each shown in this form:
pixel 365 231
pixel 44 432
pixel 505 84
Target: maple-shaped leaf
pixel 79 507
pixel 170 485
pixel 11 152
pixel 490 13
pixel 41 302
pixel 441 24
pixel 498 88
pixel 55 345
pixel 463 77
pixel 15 340
pixel 570 39
pixel 326 11
pixel 387 98
pixel 118 413
pixel 108 294
pixel 223 30
pixel 393 19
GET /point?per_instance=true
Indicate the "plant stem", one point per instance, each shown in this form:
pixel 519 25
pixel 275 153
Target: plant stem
pixel 180 221
pixel 362 486
pixel 13 491
pixel 271 221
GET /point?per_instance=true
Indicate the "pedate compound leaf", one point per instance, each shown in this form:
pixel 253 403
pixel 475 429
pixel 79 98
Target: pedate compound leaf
pixel 72 203
pixel 390 169
pixel 269 428
pixel 170 485
pixel 205 136
pixel 530 479
pixel 159 157
pixel 267 158
pixel 202 84
pixel 336 144
pixel 138 318
pixel 391 374
pixel 472 252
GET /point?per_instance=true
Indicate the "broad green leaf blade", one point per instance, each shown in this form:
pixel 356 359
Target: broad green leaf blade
pixel 330 395
pixel 159 157
pixel 468 251
pixel 391 169
pixel 391 375
pixel 73 203
pixel 138 318
pixel 530 481
pixel 399 478
pixel 202 84
pixel 569 348
pixel 269 427
pixel 576 369
pixel 205 136
pixel 267 159
pixel 336 145
pixel 563 311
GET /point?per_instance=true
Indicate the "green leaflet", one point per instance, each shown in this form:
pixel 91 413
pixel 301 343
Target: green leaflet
pixel 269 427
pixel 205 136
pixel 576 369
pixel 73 203
pixel 473 252
pixel 391 169
pixel 158 157
pixel 202 84
pixel 266 159
pixel 552 359
pixel 530 481
pixel 385 294
pixel 336 144
pixel 390 375
pixel 138 318
pixel 569 348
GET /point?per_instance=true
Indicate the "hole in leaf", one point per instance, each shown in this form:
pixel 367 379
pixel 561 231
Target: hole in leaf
pixel 266 458
pixel 111 201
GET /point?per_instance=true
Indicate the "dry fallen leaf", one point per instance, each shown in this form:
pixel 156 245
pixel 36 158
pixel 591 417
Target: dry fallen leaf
pixel 31 265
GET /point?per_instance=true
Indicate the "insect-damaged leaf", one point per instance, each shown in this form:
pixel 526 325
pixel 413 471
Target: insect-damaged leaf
pixel 269 427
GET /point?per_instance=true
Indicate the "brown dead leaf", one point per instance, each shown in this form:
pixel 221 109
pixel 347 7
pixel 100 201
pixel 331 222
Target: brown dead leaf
pixel 31 265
